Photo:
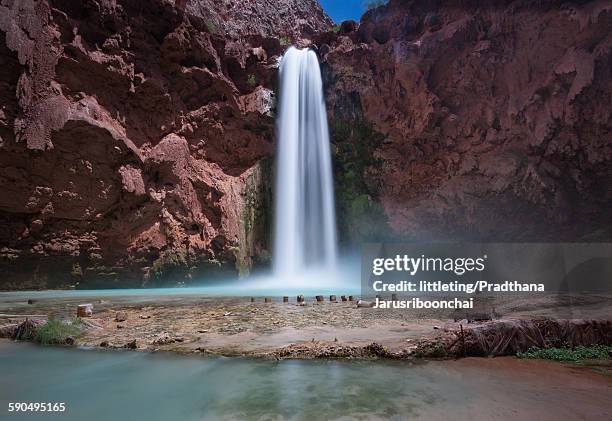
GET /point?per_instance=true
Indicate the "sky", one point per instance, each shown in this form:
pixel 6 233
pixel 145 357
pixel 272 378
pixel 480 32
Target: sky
pixel 340 10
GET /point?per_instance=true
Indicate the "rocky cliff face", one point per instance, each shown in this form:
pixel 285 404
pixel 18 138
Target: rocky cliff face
pixel 133 136
pixel 482 120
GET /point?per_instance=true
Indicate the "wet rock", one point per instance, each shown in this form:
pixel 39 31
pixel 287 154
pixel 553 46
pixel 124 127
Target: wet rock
pixel 163 339
pixel 84 310
pixel 121 316
pixel 131 345
pixel 376 350
pixel 26 330
pixel 8 331
pixel 31 301
pixel 104 344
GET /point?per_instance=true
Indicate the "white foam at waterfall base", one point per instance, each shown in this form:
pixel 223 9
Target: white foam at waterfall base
pixel 305 221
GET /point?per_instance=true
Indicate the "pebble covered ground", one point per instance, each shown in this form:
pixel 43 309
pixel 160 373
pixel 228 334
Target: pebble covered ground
pixel 237 326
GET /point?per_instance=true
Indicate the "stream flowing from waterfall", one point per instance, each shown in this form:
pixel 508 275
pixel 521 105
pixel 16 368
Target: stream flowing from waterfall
pixel 155 386
pixel 305 221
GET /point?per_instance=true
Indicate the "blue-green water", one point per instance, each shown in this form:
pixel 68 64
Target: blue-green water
pixel 124 385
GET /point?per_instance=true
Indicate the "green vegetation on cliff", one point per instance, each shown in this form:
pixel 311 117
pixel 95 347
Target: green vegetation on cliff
pixel 362 215
pixel 254 240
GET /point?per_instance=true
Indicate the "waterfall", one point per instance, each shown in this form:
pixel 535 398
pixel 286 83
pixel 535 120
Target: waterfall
pixel 305 221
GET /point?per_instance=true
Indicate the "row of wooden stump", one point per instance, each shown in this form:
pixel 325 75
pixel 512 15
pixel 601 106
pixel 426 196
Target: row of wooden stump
pixel 319 298
pixel 86 310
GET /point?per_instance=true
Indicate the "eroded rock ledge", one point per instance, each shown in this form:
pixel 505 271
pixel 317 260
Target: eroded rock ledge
pixel 132 137
pixel 479 120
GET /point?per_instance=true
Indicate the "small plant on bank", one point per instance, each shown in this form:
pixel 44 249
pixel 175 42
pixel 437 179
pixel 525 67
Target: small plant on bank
pixel 577 354
pixel 55 331
pixel 284 40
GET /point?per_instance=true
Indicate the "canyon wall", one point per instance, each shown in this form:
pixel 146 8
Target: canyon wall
pixel 135 137
pixel 473 120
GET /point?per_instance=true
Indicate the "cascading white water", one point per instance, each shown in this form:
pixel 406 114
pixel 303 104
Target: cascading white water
pixel 305 221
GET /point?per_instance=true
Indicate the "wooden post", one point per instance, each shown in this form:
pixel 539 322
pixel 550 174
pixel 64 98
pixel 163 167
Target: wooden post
pixel 393 297
pixel 252 299
pixel 84 310
pixel 319 298
pixel 268 300
pixel 285 299
pixel 343 297
pixel 332 298
pixel 351 298
pixel 300 299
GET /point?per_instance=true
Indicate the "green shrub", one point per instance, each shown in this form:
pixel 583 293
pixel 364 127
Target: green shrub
pixel 579 353
pixel 168 262
pixel 55 331
pixel 363 216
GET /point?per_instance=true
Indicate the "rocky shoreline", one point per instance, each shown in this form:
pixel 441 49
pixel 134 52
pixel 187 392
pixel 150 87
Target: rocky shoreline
pixel 235 326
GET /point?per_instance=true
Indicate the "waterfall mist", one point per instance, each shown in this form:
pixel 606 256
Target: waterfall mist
pixel 305 221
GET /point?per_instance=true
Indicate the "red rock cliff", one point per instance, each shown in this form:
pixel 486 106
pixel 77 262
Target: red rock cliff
pixel 483 120
pixel 132 135
pixel 136 135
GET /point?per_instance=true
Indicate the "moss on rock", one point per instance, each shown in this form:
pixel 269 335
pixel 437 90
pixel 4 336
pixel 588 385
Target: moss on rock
pixel 356 184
